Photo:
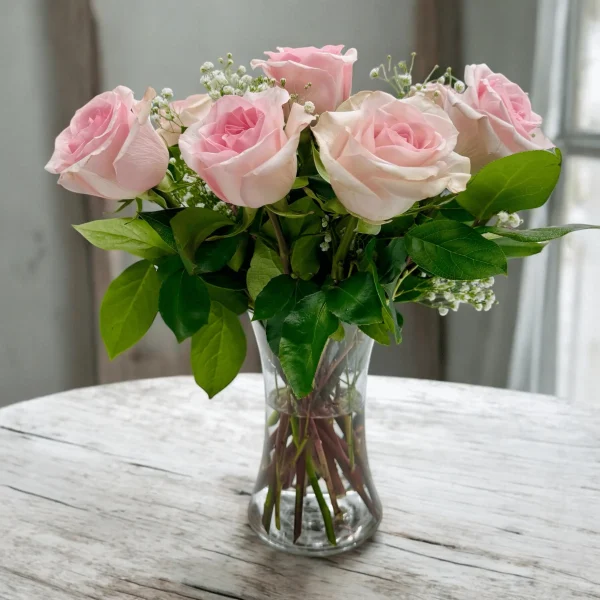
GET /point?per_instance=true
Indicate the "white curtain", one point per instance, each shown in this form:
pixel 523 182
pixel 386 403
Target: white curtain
pixel 533 365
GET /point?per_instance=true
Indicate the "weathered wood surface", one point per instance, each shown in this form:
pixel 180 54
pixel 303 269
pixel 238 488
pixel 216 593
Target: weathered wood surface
pixel 139 490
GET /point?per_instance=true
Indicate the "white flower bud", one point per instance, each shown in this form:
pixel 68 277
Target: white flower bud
pixel 173 160
pixel 442 79
pixel 374 74
pixel 443 311
pixel 207 66
pixel 478 307
pixel 514 220
pixel 503 216
pixel 228 90
pixel 431 296
pixel 241 70
pixel 309 107
pixel 214 94
pixel 459 86
pixel 405 79
pixel 167 92
pixel 327 237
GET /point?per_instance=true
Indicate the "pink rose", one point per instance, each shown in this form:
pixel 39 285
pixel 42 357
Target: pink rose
pixel 110 148
pixel 493 117
pixel 327 70
pixel 194 108
pixel 383 154
pixel 242 150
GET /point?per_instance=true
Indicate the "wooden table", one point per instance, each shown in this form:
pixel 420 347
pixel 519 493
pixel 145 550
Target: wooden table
pixel 139 491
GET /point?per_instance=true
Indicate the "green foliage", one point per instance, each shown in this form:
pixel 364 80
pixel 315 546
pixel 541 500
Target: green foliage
pixel 515 249
pixel 203 268
pixel 131 235
pixel 518 182
pixel 213 256
pixel 184 304
pixel 391 259
pixel 277 296
pixel 129 307
pixel 265 265
pixel 544 234
pixel 191 227
pixel 453 250
pixel 355 300
pixel 218 350
pixel 160 221
pixel 304 335
pixel 306 256
pixel 227 288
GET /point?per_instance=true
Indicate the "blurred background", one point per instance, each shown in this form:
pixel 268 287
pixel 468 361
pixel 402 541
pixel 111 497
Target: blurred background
pixel 56 54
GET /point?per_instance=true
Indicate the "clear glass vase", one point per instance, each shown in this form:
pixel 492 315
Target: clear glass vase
pixel 314 494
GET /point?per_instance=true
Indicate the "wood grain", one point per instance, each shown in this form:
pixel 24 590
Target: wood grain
pixel 139 490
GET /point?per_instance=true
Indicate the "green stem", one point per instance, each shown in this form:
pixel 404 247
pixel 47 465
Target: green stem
pixel 284 252
pixel 312 477
pixel 401 279
pixel 339 258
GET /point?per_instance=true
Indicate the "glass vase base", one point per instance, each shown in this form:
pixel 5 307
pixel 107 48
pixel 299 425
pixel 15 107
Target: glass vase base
pixel 352 527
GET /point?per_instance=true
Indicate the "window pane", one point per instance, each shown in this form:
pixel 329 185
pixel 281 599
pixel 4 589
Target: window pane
pixel 587 104
pixel 578 315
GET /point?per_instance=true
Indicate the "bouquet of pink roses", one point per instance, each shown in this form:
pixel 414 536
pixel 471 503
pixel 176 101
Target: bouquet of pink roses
pixel 319 212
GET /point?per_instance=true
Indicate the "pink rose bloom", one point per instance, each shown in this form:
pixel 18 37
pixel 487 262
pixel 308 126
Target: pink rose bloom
pixel 194 108
pixel 110 148
pixel 383 154
pixel 327 70
pixel 493 116
pixel 244 150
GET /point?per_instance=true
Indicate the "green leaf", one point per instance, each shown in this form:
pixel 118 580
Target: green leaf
pixel 167 266
pixel 236 262
pixel 398 226
pixel 213 256
pixel 247 217
pixel 288 214
pixel 228 289
pixel 131 235
pixel 391 259
pixel 412 288
pixel 518 182
pixel 339 334
pixel 265 265
pixel 191 227
pixel 368 228
pixel 454 211
pixel 184 304
pixel 274 325
pixel 515 249
pixel 543 234
pixel 305 333
pixel 277 296
pixel 218 350
pixel 160 221
pixel 311 223
pixel 452 250
pixel 306 256
pixel 321 170
pixel 356 300
pixel 378 332
pixel 333 205
pixel 129 307
pixel 300 182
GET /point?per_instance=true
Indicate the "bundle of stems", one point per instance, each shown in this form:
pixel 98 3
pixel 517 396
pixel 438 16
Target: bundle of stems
pixel 316 439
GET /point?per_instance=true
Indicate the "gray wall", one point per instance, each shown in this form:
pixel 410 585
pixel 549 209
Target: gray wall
pixel 45 306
